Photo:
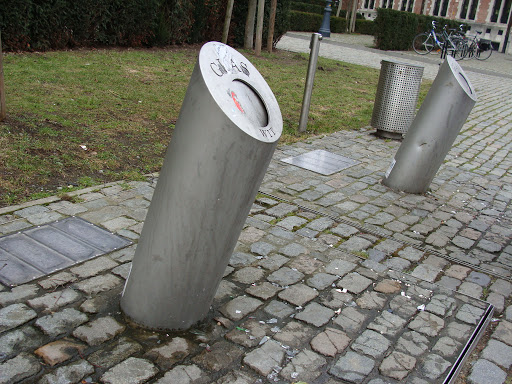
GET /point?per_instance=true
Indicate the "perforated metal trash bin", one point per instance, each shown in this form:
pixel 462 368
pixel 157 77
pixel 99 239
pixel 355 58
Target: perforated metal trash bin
pixel 396 98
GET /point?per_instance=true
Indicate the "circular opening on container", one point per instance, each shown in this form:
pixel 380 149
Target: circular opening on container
pixel 466 83
pixel 248 102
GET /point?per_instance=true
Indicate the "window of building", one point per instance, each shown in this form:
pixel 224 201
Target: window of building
pixel 369 4
pixel 387 4
pixel 495 11
pixel 440 8
pixel 468 10
pixel 505 12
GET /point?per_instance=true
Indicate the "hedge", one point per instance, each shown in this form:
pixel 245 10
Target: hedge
pixel 395 30
pixel 309 22
pixel 58 24
pixel 308 8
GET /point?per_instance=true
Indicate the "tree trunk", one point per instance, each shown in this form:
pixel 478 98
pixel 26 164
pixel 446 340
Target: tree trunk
pixel 353 17
pixel 227 21
pixel 2 88
pixel 271 25
pixel 339 9
pixel 259 27
pixel 249 25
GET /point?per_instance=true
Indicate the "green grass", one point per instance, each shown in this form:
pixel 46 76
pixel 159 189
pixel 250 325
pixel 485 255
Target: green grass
pixel 79 118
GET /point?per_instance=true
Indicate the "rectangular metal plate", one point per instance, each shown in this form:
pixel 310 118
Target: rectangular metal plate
pixel 322 162
pixel 36 252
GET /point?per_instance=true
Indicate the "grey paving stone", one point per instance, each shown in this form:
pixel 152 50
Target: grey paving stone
pixel 306 366
pixel 132 370
pixel 426 272
pixel 371 300
pixel 18 294
pixel 298 294
pixel 321 280
pixel 55 300
pixel 497 300
pixel 434 366
pixel 412 343
pixel 98 284
pixel 503 332
pixel 170 353
pixel 94 267
pixel 355 243
pixel 186 374
pixel 330 342
pixel 264 359
pixel 502 287
pixel 471 289
pixel 411 254
pixel 321 224
pixel 371 343
pixel 344 230
pixel 387 324
pixel 397 365
pixel 479 278
pixel 489 246
pixel 263 291
pixel 71 373
pixel 449 282
pixel 350 320
pixel 354 283
pixel 485 372
pixel 446 347
pixel 240 307
pixel 248 275
pixel 279 309
pixel 30 211
pixel 498 353
pixel 20 367
pixel 293 250
pixel 285 276
pixel 61 322
pixel 397 263
pixel 261 248
pixel 315 314
pixel 295 335
pixel 469 314
pixel 352 367
pixel 281 210
pixel 112 354
pixel 273 262
pixel 19 340
pixel 99 330
pixel 427 323
pixel 292 222
pixel 441 305
pixel 340 267
pixel 15 315
pixel 239 259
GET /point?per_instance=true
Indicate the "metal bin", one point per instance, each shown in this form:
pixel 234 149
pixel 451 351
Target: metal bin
pixel 396 98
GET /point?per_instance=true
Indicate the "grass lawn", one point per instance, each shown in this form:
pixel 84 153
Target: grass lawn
pixel 79 118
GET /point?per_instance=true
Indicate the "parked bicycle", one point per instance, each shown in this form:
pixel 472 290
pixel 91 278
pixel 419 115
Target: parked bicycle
pixel 480 49
pixel 431 41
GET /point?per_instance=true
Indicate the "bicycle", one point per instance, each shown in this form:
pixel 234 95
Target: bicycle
pixel 480 49
pixel 425 42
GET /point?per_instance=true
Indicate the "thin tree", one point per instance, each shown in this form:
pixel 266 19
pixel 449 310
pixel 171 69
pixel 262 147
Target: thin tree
pixel 271 25
pixel 227 21
pixel 249 25
pixel 2 88
pixel 259 27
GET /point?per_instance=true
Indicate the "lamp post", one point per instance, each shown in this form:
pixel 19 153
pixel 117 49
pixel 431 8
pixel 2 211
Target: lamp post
pixel 325 28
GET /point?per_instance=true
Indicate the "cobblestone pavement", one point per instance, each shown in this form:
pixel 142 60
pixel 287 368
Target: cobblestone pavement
pixel 334 278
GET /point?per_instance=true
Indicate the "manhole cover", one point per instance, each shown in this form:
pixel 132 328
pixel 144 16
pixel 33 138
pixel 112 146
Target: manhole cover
pixel 320 161
pixel 36 252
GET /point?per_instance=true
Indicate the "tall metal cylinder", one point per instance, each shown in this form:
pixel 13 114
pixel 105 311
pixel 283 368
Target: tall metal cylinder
pixel 314 46
pixel 433 131
pixel 224 139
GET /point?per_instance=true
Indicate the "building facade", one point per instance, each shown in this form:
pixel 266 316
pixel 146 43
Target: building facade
pixel 491 17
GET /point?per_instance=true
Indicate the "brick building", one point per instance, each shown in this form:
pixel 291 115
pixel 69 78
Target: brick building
pixel 491 17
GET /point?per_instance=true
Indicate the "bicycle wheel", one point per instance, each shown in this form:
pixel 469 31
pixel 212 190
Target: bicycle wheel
pixel 423 43
pixel 438 48
pixel 461 48
pixel 483 54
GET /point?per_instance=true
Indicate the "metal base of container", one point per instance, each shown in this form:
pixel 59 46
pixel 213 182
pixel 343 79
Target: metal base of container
pixel 389 135
pixel 224 140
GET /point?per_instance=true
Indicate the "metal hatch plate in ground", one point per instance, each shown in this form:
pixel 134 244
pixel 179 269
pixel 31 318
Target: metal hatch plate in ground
pixel 322 162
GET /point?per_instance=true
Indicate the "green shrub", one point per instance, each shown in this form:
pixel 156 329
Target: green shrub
pixel 308 8
pixel 365 27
